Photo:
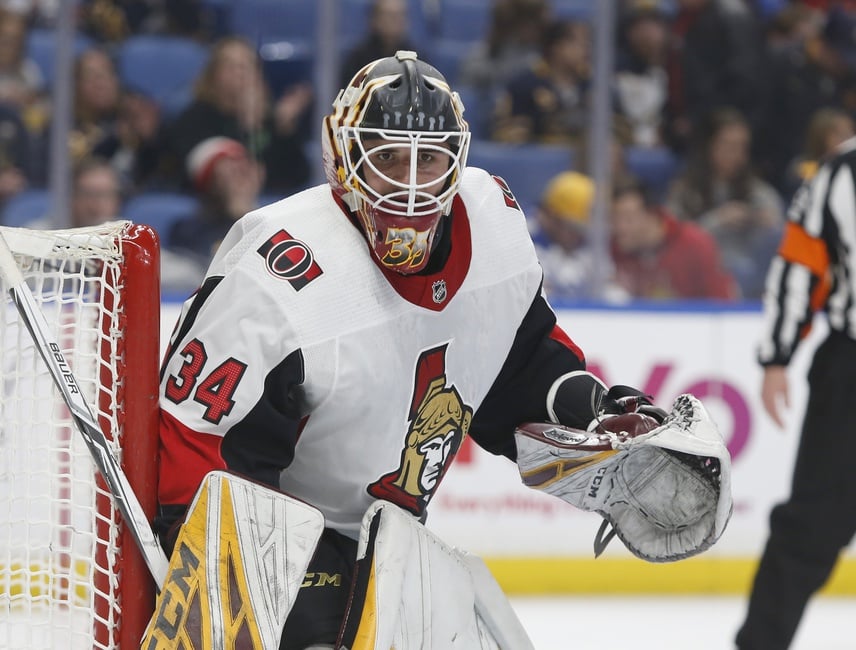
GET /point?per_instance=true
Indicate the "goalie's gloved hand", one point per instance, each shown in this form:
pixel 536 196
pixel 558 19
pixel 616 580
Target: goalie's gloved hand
pixel 620 399
pixel 666 489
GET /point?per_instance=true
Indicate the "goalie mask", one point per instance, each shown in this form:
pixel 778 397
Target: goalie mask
pixel 395 147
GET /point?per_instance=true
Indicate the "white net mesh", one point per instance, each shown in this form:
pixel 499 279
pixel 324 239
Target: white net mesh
pixel 58 528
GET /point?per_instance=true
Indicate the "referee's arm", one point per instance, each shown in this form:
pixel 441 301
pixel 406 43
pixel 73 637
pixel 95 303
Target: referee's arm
pixel 809 265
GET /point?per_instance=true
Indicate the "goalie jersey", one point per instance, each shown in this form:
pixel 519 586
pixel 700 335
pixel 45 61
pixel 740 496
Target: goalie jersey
pixel 301 362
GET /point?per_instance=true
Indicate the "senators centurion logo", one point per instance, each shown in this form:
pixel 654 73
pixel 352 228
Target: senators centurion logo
pixel 439 421
pixel 290 259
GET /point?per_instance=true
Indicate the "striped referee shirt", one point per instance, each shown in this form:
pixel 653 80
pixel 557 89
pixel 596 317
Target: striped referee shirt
pixel 815 268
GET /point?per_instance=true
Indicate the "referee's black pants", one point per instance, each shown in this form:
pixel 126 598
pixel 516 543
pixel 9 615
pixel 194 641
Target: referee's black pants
pixel 809 530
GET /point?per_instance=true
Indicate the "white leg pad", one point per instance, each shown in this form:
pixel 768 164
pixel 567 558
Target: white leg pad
pixel 237 567
pixel 414 591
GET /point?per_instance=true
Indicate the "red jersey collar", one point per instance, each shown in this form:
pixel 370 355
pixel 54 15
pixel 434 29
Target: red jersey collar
pixel 433 291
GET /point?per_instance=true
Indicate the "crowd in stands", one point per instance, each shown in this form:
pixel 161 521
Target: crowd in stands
pixel 721 109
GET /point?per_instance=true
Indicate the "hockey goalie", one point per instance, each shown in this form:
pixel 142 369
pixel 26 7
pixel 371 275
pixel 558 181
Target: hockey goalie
pixel 319 384
pixel 661 480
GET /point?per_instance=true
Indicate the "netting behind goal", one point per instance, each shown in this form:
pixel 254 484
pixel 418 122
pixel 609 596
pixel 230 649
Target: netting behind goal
pixel 70 575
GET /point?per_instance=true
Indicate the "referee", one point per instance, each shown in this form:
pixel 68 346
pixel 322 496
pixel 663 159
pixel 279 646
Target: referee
pixel 815 269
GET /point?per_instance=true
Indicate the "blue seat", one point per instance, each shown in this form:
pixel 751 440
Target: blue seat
pixel 287 62
pixel 583 10
pixel 160 210
pixel 353 19
pixel 526 168
pixel 478 106
pixel 447 55
pixel 261 21
pixel 769 8
pixel 41 48
pixel 26 206
pixel 465 20
pixel 162 67
pixel 654 166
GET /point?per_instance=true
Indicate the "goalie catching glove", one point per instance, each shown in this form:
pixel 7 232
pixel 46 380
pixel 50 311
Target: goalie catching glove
pixel 665 486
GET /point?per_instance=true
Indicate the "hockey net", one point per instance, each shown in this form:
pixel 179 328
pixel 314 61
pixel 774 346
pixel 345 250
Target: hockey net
pixel 70 575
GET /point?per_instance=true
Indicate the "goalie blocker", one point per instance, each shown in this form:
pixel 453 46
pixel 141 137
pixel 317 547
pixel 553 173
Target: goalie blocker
pixel 664 487
pixel 237 566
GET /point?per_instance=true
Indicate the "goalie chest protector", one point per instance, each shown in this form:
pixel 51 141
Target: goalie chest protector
pixel 391 383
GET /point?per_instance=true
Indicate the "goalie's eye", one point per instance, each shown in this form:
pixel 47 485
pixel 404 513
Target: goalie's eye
pixel 382 157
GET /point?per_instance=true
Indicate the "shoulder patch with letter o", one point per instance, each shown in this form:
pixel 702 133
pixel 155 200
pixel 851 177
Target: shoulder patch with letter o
pixel 290 259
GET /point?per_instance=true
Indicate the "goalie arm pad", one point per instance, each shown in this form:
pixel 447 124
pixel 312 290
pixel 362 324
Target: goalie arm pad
pixel 665 488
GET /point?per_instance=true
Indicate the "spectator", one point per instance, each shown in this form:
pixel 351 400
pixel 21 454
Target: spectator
pixel 512 45
pixel 617 151
pixel 96 198
pixel 25 102
pixel 38 13
pixel 388 32
pixel 641 80
pixel 560 233
pixel 21 81
pixel 105 21
pixel 548 104
pixel 14 154
pixel 715 60
pixel 719 191
pixel 838 33
pixel 804 75
pixel 228 183
pixel 658 257
pixel 96 195
pixel 138 148
pixel 112 21
pixel 827 129
pixel 97 92
pixel 233 100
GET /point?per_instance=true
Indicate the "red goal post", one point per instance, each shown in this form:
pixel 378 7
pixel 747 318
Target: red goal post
pixel 71 575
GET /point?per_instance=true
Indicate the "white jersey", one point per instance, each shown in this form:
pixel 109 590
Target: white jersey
pixel 300 355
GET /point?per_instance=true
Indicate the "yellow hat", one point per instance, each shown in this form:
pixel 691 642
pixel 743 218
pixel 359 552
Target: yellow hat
pixel 569 195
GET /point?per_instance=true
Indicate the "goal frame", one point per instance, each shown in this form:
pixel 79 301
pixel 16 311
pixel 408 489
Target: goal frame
pixel 128 343
pixel 140 321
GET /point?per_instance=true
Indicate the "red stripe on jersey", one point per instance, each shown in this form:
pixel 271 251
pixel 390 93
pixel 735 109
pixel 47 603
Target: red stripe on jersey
pixel 558 334
pixel 185 457
pixel 419 289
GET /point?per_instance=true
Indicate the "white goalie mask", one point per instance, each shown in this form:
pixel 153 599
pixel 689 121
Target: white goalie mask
pixel 395 147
